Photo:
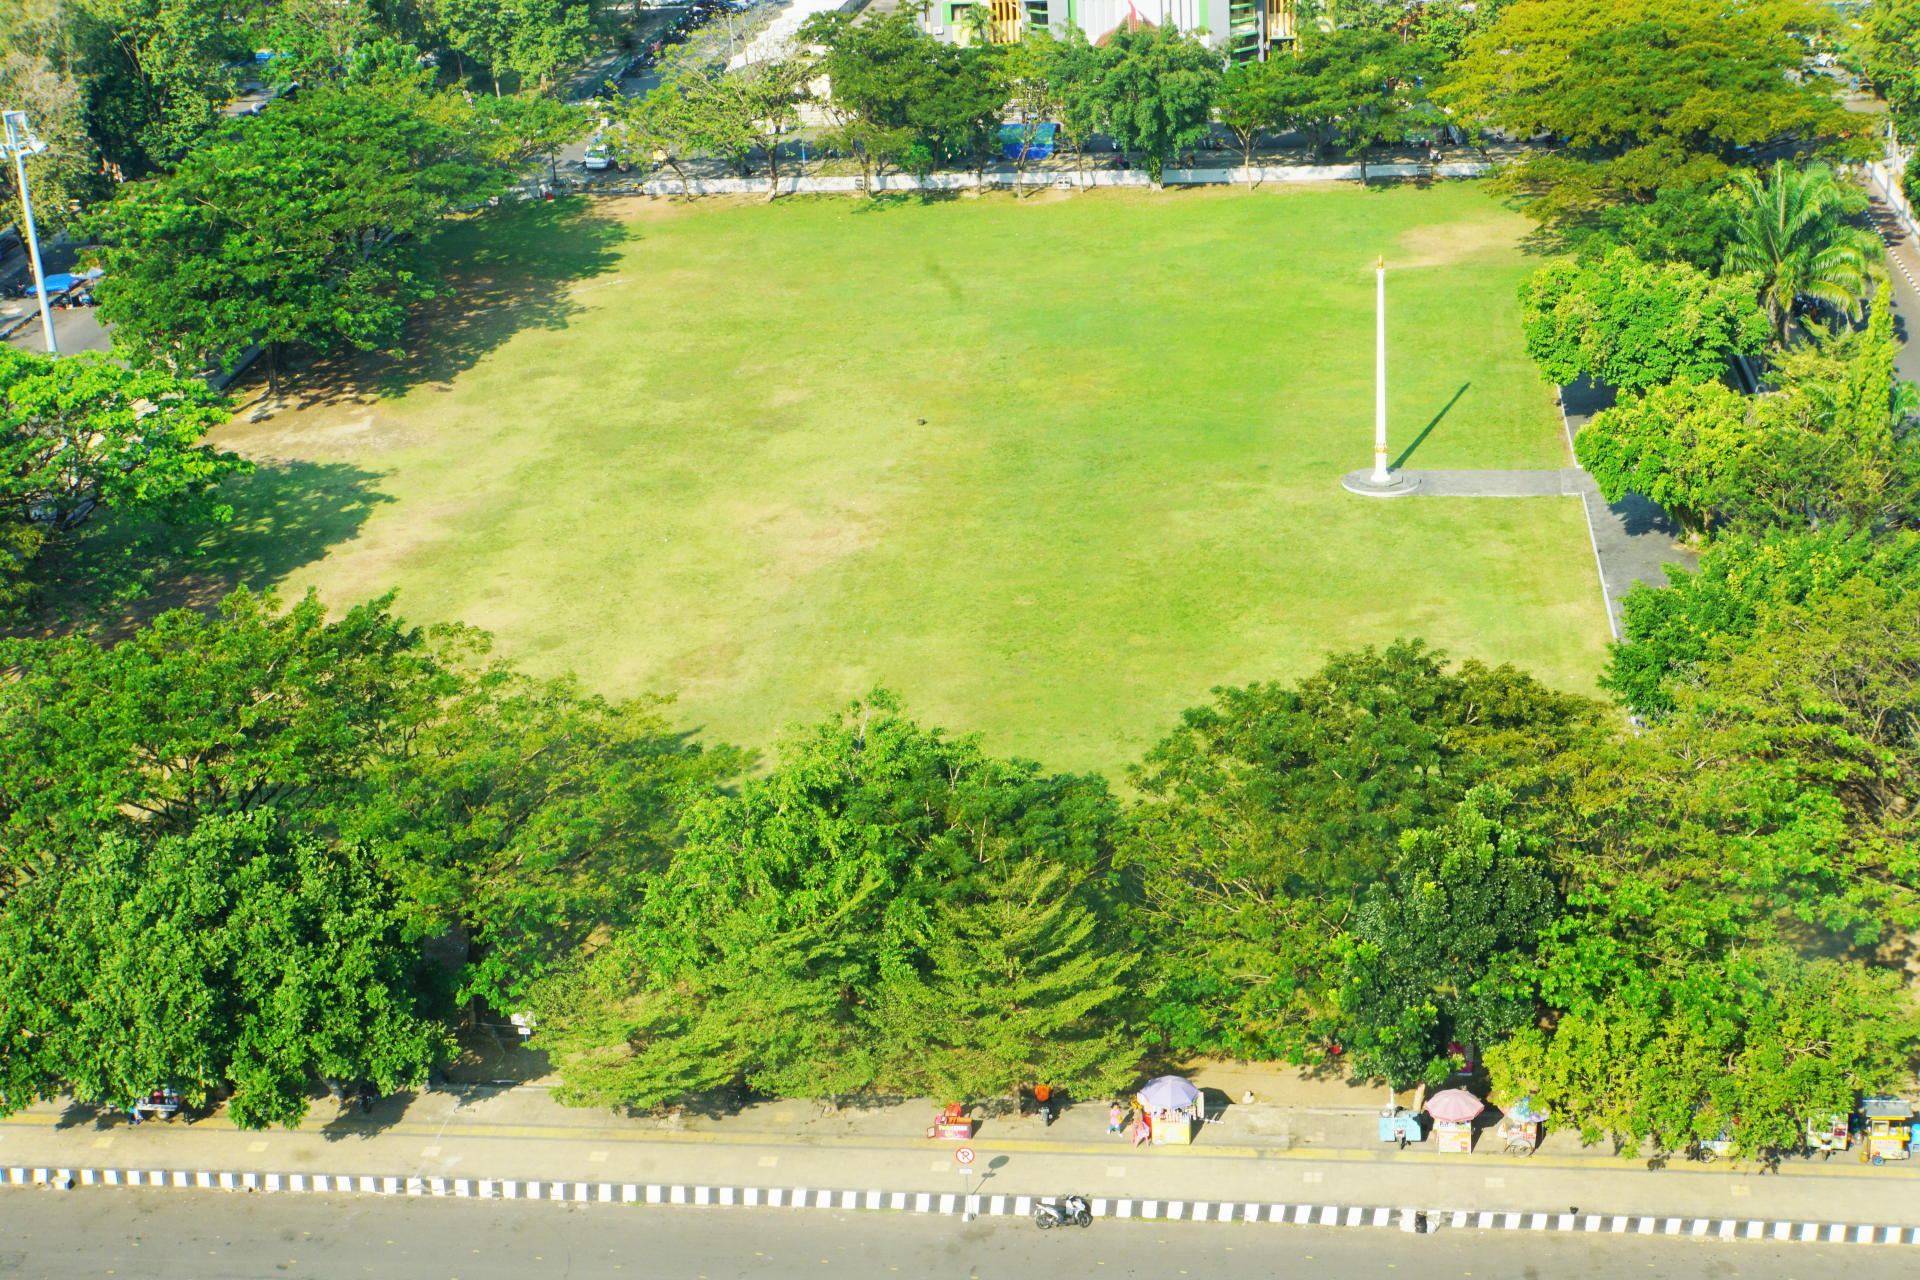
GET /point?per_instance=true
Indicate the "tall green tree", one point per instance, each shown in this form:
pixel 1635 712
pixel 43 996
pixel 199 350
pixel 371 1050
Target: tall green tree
pixel 788 910
pixel 1156 92
pixel 1435 950
pixel 299 226
pixel 1793 236
pixel 888 77
pixel 228 955
pixel 1268 814
pixel 1635 325
pixel 80 437
pixel 1013 988
pixel 157 75
pixel 1646 94
pixel 1685 445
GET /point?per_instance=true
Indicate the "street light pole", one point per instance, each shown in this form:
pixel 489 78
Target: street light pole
pixel 20 142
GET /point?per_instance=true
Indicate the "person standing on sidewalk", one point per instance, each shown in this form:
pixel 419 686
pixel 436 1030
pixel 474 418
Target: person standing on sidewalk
pixel 1042 1094
pixel 1113 1118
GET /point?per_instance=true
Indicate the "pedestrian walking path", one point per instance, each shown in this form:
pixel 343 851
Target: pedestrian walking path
pixel 1289 1152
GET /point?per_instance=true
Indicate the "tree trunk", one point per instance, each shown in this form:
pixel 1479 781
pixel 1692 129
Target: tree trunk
pixel 773 167
pixel 273 370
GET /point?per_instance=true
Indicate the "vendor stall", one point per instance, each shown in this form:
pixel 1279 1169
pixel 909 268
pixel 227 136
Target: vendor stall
pixel 1170 1105
pixel 951 1124
pixel 1453 1111
pixel 1827 1134
pixel 1889 1129
pixel 1520 1127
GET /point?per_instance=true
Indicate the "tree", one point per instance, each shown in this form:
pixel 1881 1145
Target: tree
pixel 79 436
pixel 1886 51
pixel 520 812
pixel 1792 236
pixel 1267 815
pixel 1252 106
pixel 1751 1048
pixel 765 945
pixel 1376 84
pixel 887 76
pixel 1033 70
pixel 1646 94
pixel 230 954
pixel 68 170
pixel 1635 325
pixel 656 127
pixel 1434 951
pixel 1156 92
pixel 301 225
pixel 530 126
pixel 1683 445
pixel 1670 631
pixel 1688 224
pixel 534 38
pixel 1015 987
pixel 157 75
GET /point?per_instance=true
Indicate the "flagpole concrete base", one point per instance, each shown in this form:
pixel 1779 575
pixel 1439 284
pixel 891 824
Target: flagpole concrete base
pixel 1398 485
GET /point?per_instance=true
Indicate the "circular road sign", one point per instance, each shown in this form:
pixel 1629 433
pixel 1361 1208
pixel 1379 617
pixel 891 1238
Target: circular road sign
pixel 964 1155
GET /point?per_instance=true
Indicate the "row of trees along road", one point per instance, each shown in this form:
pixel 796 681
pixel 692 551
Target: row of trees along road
pixel 1661 934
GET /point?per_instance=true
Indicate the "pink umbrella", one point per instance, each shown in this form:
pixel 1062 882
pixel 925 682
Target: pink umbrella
pixel 1454 1104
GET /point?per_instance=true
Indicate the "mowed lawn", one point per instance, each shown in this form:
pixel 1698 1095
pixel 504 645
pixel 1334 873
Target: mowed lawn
pixel 1050 470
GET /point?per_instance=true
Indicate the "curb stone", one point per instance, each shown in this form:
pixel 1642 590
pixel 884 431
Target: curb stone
pixel 948 1203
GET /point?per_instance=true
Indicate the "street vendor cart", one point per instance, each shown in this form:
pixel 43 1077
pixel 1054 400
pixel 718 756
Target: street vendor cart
pixel 1889 1129
pixel 1826 1134
pixel 951 1124
pixel 1453 1111
pixel 1398 1124
pixel 1520 1127
pixel 1169 1105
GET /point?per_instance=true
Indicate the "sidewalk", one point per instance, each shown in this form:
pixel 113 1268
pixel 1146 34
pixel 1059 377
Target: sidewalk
pixel 1318 1143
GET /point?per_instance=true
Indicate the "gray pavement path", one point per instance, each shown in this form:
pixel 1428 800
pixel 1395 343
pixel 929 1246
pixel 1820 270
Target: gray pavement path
pixel 55 1236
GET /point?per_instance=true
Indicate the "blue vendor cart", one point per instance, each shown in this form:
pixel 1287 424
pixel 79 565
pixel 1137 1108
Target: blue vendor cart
pixel 1397 1124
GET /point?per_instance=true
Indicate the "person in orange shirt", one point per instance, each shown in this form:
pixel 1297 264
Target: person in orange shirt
pixel 1043 1095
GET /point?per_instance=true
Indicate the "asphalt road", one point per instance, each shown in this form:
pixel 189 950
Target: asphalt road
pixel 48 1235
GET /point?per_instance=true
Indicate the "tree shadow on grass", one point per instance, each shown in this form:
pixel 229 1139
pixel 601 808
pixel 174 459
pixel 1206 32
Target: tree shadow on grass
pixel 285 515
pixel 510 268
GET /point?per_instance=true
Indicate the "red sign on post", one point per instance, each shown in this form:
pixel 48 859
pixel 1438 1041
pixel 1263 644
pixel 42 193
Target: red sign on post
pixel 964 1155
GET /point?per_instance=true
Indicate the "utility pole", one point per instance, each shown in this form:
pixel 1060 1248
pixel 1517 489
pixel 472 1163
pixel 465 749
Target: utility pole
pixel 21 143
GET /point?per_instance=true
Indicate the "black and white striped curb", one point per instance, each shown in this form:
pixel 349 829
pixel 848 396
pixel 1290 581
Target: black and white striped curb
pixel 931 1202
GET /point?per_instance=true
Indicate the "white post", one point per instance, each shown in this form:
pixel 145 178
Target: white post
pixel 1380 475
pixel 17 142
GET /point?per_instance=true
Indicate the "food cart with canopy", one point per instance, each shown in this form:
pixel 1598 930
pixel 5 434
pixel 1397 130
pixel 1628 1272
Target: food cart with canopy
pixel 1453 1111
pixel 1169 1105
pixel 1520 1126
pixel 1889 1129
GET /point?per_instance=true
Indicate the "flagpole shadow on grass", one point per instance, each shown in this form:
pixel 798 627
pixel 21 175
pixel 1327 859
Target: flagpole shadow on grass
pixel 1406 453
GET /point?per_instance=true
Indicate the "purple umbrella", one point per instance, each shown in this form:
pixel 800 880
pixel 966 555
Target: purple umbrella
pixel 1168 1093
pixel 1456 1105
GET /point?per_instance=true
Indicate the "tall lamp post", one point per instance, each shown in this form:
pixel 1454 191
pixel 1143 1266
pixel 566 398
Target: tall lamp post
pixel 1380 482
pixel 20 143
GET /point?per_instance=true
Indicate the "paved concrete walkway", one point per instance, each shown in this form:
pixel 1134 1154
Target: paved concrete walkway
pixel 1269 1152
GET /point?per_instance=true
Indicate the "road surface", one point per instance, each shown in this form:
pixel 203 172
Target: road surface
pixel 50 1235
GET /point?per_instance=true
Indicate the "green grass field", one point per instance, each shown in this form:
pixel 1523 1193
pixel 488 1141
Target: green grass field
pixel 1050 470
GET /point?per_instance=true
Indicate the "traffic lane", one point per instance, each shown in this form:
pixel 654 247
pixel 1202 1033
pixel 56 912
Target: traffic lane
pixel 49 1235
pixel 1906 326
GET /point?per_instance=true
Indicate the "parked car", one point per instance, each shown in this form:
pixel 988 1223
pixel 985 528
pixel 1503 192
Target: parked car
pixel 598 155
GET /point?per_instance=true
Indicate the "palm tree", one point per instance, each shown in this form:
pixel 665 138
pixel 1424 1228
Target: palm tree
pixel 1793 233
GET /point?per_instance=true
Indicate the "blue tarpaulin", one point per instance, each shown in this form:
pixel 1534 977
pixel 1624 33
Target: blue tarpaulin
pixel 1012 136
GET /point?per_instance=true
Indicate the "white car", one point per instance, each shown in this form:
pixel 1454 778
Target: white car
pixel 598 156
